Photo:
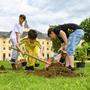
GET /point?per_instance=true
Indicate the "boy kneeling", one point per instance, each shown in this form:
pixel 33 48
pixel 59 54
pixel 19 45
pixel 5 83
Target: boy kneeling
pixel 32 47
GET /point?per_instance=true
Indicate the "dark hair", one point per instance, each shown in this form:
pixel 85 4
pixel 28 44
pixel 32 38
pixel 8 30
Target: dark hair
pixel 55 29
pixel 32 34
pixel 49 31
pixel 23 16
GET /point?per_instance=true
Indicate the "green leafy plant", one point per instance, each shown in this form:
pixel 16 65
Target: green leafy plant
pixel 81 53
pixel 56 44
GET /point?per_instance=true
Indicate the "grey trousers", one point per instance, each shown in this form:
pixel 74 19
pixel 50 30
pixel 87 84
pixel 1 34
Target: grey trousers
pixel 15 54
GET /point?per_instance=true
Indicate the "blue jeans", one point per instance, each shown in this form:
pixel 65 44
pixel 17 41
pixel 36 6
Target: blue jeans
pixel 73 41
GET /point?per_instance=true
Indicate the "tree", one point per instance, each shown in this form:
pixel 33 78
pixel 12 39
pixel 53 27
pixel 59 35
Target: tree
pixel 85 24
pixel 56 44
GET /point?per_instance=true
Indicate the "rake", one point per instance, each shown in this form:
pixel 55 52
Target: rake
pixel 25 54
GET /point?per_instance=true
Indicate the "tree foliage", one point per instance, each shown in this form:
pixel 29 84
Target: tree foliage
pixel 56 44
pixel 85 24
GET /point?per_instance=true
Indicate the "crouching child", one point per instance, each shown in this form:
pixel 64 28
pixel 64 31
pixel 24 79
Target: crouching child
pixel 31 46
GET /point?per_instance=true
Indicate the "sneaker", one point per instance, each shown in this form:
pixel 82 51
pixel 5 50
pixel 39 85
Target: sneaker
pixel 71 68
pixel 29 68
pixel 36 64
pixel 12 60
pixel 24 63
pixel 13 66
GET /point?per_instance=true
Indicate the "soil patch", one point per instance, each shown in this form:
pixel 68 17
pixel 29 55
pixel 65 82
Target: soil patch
pixel 56 69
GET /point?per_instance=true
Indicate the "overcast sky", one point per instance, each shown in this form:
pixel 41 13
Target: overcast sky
pixel 42 13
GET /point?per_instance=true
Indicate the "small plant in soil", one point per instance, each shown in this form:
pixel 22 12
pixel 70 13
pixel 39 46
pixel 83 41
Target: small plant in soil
pixel 81 56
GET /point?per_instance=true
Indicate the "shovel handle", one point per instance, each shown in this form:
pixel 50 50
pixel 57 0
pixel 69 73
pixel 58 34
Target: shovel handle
pixel 17 49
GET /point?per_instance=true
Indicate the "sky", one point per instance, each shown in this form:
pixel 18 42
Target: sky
pixel 43 13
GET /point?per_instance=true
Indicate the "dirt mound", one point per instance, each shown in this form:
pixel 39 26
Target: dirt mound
pixel 55 69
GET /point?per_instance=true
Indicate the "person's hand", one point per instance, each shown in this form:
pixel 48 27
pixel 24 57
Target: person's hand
pixel 17 45
pixel 64 47
pixel 25 25
pixel 57 57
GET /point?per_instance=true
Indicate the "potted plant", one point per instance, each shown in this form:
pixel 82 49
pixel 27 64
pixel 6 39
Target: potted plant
pixel 81 56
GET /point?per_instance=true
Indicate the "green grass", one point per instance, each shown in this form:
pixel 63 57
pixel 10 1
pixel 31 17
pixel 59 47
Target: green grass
pixel 19 80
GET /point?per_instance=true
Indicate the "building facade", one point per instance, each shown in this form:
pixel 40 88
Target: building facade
pixel 5 46
pixel 5 50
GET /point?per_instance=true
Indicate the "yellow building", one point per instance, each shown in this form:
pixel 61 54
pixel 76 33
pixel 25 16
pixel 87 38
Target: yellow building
pixel 5 51
pixel 46 47
pixel 5 45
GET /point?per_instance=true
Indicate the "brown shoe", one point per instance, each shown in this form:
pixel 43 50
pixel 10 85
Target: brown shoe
pixel 13 66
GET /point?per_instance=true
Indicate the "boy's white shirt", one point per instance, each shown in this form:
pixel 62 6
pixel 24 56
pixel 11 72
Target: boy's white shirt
pixel 17 28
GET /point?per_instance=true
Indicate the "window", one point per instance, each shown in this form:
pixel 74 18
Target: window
pixel 3 41
pixel 4 56
pixel 43 54
pixel 9 48
pixel 3 48
pixel 47 56
pixel 9 55
pixel 47 42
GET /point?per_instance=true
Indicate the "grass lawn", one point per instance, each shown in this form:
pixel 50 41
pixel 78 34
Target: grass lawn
pixel 19 80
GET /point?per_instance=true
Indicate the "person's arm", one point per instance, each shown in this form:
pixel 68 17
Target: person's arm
pixel 16 30
pixel 17 37
pixel 64 37
pixel 25 25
